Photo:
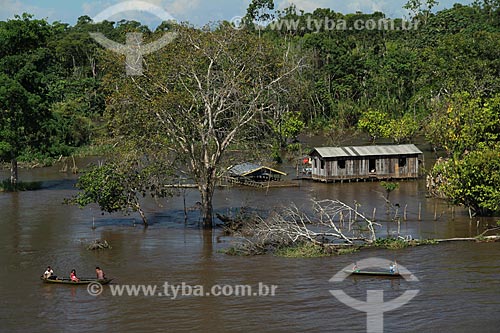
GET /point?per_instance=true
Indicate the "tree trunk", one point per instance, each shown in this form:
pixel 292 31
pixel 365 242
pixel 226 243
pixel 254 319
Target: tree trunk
pixel 13 172
pixel 207 192
pixel 144 219
pixel 142 214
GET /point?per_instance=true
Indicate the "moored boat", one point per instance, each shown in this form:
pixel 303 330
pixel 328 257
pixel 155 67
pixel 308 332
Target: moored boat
pixel 373 273
pixel 82 281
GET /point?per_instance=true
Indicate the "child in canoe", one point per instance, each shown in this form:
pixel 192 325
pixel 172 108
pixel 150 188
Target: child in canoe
pixel 73 276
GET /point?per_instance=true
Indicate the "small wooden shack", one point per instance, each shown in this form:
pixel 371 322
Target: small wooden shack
pixel 255 172
pixel 366 162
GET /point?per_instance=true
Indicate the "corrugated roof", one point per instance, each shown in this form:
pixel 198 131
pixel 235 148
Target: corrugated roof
pixel 386 150
pixel 245 169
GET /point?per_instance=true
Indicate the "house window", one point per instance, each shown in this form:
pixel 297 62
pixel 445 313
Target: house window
pixel 372 165
pixel 315 163
pixel 402 162
pixel 322 164
pixel 341 164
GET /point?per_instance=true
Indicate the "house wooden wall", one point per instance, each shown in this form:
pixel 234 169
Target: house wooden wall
pixel 381 167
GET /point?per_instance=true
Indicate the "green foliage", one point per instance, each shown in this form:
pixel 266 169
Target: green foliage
pixel 375 123
pixel 347 250
pixel 303 250
pixel 464 123
pixel 398 243
pixel 391 243
pixel 104 186
pixel 287 127
pixel 404 129
pixel 311 250
pixel 472 180
pixel 49 89
pixel 389 186
pixel 120 185
pixel 259 11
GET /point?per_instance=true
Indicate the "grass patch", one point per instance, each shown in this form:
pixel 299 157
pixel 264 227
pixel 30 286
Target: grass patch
pixel 93 150
pixel 6 186
pixel 302 250
pixel 397 243
pixel 232 251
pixel 347 250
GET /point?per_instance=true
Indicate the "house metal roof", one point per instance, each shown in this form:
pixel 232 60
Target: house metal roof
pixel 245 169
pixel 386 150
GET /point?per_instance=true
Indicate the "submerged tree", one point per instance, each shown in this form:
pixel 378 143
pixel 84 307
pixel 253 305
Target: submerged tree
pixel 198 96
pixel 23 77
pixel 468 130
pixel 472 181
pixel 122 182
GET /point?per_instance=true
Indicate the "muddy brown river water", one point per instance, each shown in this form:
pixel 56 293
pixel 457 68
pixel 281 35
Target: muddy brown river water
pixel 459 288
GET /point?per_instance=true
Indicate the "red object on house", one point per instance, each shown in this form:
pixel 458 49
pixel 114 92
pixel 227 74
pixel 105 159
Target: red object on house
pixel 305 160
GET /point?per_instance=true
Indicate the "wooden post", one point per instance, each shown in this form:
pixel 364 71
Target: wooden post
pixel 404 213
pixel 435 211
pixel 374 214
pixel 420 211
pixel 184 202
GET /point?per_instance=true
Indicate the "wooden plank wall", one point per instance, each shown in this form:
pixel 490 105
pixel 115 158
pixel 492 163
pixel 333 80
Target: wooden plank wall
pixel 359 168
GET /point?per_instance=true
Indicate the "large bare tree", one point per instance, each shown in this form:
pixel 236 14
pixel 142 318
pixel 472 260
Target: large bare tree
pixel 202 94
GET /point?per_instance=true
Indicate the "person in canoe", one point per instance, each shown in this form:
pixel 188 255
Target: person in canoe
pixel 393 267
pixel 49 273
pixel 100 273
pixel 73 276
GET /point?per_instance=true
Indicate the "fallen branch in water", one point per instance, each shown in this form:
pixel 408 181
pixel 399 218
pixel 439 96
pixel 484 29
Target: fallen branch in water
pixel 98 245
pixel 325 228
pixel 470 239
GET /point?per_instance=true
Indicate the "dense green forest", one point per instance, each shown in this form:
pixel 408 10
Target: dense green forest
pixel 61 91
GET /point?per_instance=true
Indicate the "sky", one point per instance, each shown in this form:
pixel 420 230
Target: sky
pixel 197 12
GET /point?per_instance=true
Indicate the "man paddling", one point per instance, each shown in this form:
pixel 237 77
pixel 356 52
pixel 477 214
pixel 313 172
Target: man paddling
pixel 393 267
pixel 48 273
pixel 99 273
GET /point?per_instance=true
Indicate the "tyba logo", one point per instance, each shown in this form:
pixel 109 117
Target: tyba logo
pixel 133 49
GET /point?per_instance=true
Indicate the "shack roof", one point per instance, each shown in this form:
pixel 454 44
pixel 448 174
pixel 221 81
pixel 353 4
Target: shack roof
pixel 386 150
pixel 246 169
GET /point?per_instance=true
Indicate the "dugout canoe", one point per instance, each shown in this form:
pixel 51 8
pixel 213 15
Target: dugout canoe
pixel 83 281
pixel 373 273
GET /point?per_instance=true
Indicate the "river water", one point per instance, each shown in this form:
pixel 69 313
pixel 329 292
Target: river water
pixel 459 289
